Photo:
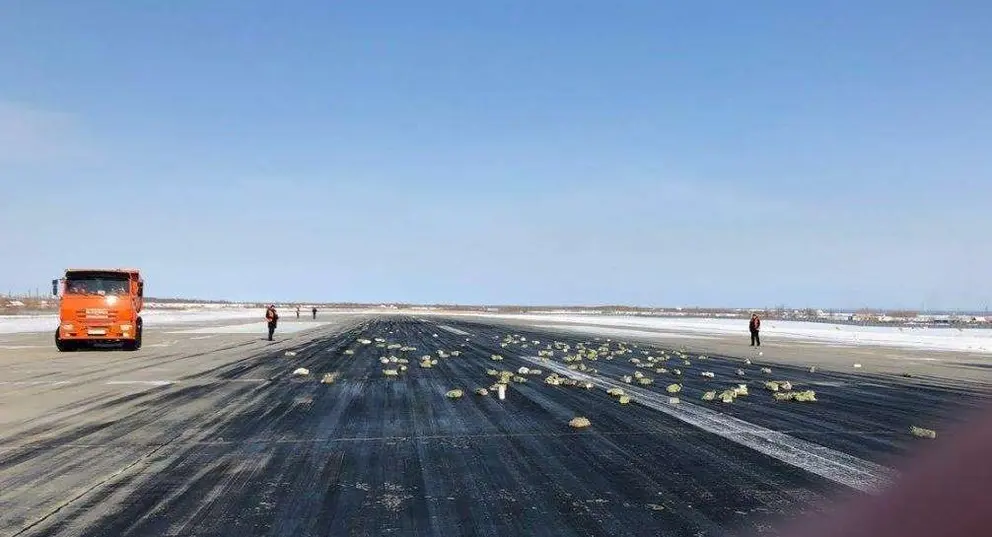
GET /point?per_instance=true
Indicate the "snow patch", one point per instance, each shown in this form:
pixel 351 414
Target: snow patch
pixel 621 332
pixel 977 340
pixel 19 324
pixel 252 328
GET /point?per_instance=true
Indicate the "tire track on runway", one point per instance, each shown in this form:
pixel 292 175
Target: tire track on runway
pixel 839 467
pixel 55 421
pixel 150 411
pixel 880 408
pixel 93 487
pixel 529 404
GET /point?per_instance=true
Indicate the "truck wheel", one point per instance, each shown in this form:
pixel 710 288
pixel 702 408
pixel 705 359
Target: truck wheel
pixel 63 346
pixel 135 344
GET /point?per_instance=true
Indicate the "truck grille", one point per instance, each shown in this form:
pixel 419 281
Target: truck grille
pixel 93 316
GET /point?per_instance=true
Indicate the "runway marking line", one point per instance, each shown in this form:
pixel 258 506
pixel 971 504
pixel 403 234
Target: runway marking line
pixel 453 330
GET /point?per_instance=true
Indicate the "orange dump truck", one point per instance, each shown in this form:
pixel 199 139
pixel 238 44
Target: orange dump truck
pixel 99 306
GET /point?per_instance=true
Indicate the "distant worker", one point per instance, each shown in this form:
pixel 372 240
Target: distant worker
pixel 273 318
pixel 315 313
pixel 297 312
pixel 755 327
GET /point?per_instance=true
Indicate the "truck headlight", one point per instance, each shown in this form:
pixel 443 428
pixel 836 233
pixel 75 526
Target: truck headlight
pixel 67 326
pixel 125 328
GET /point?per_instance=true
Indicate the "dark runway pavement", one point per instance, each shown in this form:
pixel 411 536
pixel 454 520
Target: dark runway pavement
pixel 235 445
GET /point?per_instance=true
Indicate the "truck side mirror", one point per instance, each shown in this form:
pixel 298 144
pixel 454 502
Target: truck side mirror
pixel 141 289
pixel 55 288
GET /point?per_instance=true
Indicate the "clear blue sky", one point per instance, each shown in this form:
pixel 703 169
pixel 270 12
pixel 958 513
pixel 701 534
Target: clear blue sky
pixel 830 154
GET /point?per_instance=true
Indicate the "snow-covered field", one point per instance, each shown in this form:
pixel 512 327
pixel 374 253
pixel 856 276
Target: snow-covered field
pixel 253 328
pixel 193 306
pixel 14 324
pixel 949 339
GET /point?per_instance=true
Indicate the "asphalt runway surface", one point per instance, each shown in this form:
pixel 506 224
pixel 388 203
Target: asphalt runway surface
pixel 212 434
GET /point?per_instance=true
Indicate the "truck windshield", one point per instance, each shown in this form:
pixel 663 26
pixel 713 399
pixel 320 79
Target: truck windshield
pixel 103 285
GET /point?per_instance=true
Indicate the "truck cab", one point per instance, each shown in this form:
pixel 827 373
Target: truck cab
pixel 99 306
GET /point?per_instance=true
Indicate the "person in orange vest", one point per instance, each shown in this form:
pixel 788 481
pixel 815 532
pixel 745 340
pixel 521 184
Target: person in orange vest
pixel 273 319
pixel 755 327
